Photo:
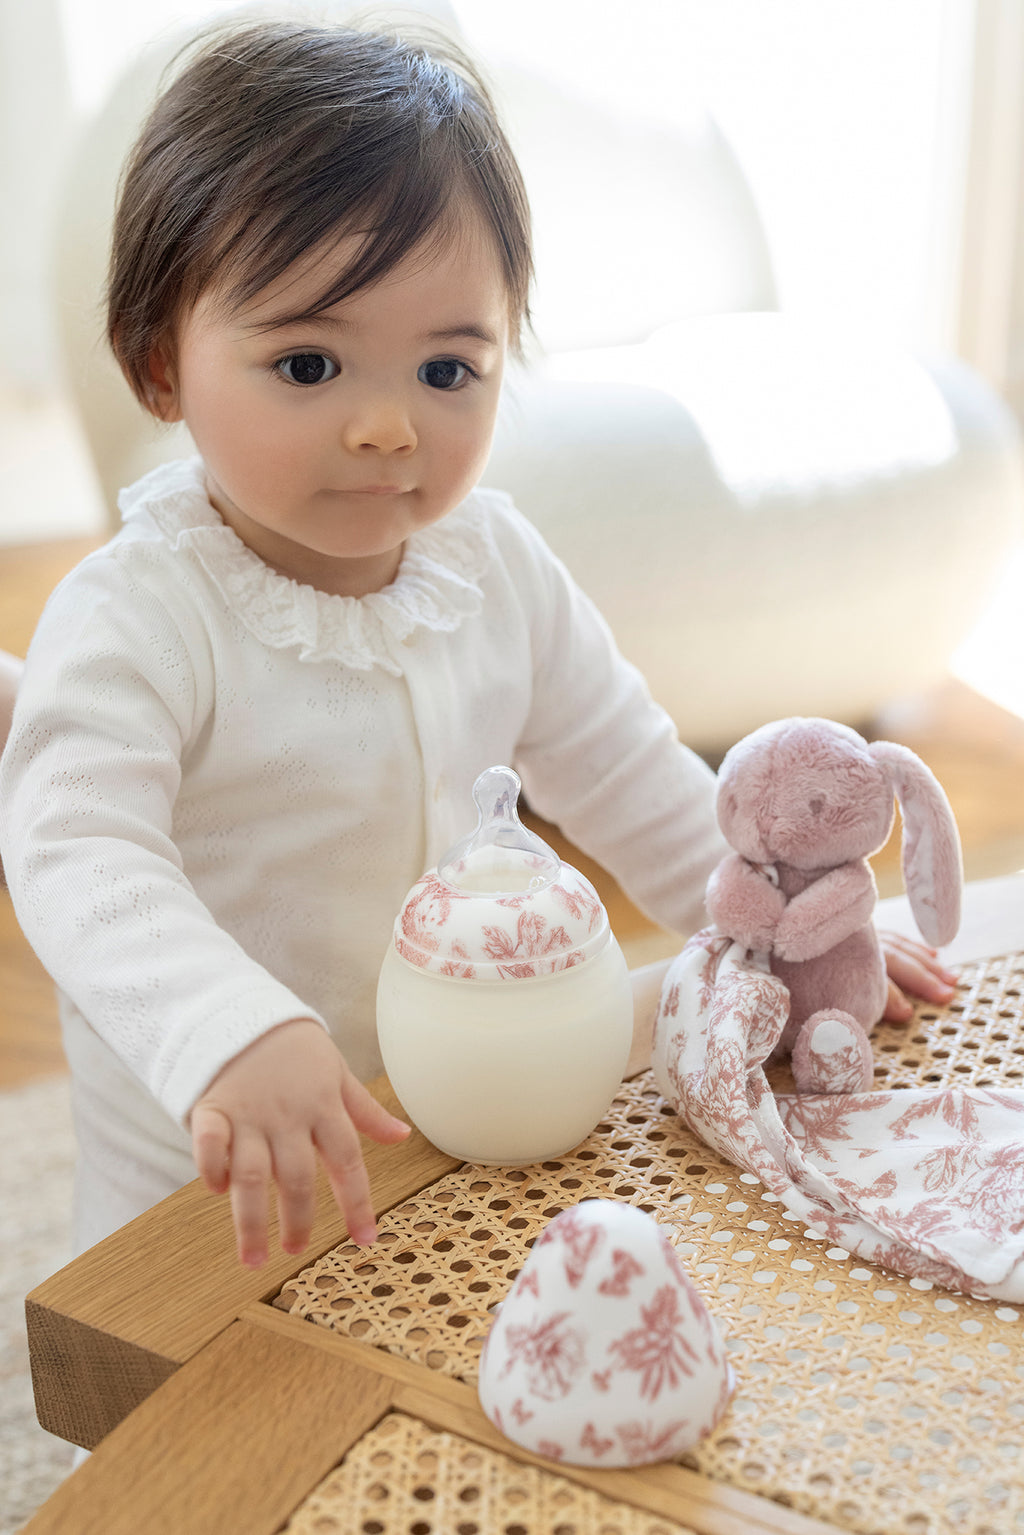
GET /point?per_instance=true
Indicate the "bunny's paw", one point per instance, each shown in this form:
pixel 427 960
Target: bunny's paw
pixel 744 903
pixel 832 1054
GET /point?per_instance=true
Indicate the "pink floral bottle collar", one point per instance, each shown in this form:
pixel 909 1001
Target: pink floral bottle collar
pixel 501 905
pixel 476 936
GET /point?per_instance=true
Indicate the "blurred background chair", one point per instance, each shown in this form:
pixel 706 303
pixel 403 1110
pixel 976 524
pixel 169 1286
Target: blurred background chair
pixel 775 517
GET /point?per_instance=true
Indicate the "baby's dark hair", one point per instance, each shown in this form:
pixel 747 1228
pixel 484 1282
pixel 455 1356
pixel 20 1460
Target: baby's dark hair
pixel 273 137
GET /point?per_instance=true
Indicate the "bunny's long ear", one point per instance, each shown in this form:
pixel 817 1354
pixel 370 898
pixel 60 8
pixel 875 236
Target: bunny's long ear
pixel 932 862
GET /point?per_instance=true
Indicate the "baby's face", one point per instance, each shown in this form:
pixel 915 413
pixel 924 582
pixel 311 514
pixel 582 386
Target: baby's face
pixel 329 439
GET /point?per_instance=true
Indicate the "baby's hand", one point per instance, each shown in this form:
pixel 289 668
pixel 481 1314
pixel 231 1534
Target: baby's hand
pixel 916 969
pixel 266 1115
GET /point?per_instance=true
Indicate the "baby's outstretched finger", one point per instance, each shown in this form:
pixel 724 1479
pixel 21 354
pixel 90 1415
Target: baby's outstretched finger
pixel 916 966
pixel 294 1165
pixel 211 1146
pixel 250 1177
pixel 898 1008
pixel 338 1144
pixel 369 1116
pixel 919 980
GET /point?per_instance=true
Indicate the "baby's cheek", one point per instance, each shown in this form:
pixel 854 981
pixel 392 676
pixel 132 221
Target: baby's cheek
pixel 468 461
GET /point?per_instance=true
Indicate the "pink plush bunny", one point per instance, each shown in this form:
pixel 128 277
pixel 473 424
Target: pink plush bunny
pixel 804 802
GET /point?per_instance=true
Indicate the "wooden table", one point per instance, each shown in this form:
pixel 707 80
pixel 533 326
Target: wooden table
pixel 213 1410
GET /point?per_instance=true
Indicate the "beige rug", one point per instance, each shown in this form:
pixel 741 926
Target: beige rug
pixel 36 1158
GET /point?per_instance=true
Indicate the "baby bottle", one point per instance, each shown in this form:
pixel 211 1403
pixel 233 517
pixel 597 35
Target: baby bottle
pixel 504 1006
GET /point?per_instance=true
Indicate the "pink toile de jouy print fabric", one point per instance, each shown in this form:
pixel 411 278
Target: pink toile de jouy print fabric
pixel 483 936
pixel 603 1353
pixel 927 1183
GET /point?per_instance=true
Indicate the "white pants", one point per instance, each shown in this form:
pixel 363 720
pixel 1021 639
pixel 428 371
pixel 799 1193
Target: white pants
pixel 131 1153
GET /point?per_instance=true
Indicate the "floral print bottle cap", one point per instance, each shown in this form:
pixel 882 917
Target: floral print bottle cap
pixel 501 905
pixel 603 1353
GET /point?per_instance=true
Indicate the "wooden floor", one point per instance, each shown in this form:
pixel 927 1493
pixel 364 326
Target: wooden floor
pixel 975 749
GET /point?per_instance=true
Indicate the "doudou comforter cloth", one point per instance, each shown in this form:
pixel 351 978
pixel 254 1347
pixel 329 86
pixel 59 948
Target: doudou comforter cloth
pixel 927 1183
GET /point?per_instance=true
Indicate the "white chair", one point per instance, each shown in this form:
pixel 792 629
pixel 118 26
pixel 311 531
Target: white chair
pixel 775 517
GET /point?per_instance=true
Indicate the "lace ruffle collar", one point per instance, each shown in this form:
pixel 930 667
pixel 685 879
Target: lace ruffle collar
pixel 435 588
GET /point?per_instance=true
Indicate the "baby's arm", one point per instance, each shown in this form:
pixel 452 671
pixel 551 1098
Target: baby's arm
pixel 112 699
pixel 598 758
pixel 267 1115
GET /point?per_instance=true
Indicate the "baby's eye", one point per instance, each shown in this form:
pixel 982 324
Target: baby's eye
pixel 307 368
pixel 443 373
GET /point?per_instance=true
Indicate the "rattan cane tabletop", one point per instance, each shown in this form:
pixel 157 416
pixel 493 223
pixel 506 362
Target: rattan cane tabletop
pixel 865 1402
pixel 873 1402
pixel 404 1476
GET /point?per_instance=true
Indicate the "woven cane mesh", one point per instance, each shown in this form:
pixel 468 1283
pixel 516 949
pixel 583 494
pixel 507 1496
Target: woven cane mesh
pixel 977 1041
pixel 878 1404
pixel 403 1478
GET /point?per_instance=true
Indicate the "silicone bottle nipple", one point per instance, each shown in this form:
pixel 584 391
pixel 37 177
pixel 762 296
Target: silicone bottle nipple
pixel 502 856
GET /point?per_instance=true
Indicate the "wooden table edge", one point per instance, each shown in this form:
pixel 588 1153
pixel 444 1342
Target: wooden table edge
pixel 453 1406
pixel 119 1320
pixel 98 1348
pixel 202 1454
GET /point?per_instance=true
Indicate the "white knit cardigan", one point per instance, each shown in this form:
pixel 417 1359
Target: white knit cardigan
pixel 220 783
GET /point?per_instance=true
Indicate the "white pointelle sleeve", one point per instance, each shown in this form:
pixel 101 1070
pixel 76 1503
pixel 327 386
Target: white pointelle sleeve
pixel 112 694
pixel 604 762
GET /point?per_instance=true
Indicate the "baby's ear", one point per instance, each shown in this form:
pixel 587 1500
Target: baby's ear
pixel 161 394
pixel 932 862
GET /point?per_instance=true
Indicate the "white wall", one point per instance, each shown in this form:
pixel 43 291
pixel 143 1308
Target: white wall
pixel 35 118
pixel 849 116
pixel 850 120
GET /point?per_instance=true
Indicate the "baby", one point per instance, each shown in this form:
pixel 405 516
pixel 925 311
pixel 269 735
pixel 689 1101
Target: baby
pixel 251 720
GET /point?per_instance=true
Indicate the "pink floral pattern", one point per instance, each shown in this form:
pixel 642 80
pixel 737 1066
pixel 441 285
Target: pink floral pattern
pixel 582 903
pixel 928 1183
pixel 625 1269
pixel 644 1442
pixel 579 1238
pixel 552 1352
pixel 535 939
pixel 659 1349
pixel 591 1440
pixel 604 1347
pixel 477 936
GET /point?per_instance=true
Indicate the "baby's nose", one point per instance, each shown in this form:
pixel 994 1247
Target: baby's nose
pixel 380 423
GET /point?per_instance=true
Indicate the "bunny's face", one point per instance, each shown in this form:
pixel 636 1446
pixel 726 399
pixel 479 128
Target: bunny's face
pixel 805 792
